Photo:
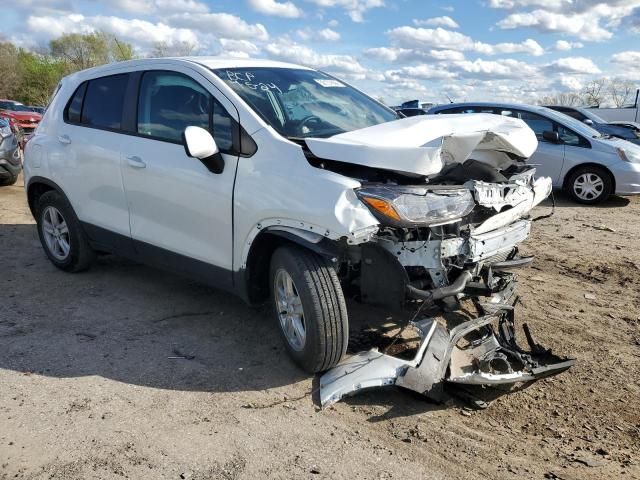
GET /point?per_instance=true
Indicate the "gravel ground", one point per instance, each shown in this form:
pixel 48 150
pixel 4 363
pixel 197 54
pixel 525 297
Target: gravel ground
pixel 88 388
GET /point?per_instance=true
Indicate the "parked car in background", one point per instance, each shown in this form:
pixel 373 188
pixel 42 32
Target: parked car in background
pixel 623 130
pixel 25 118
pixel 39 110
pixel 413 108
pixel 626 113
pixel 10 161
pixel 580 160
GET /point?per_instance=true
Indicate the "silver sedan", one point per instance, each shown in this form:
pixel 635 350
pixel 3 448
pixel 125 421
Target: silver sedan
pixel 588 165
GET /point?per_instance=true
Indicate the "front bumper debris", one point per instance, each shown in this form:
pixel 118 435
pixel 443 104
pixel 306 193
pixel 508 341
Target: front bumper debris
pixel 481 351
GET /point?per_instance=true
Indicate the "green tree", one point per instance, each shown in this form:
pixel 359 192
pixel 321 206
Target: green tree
pixel 39 76
pixel 80 51
pixel 9 72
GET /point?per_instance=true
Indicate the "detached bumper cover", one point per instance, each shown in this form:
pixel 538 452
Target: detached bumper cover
pixel 482 351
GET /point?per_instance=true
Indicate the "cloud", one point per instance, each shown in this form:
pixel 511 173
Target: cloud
pixel 354 8
pixel 324 35
pixel 582 26
pixel 149 7
pixel 576 65
pixel 292 52
pixel 440 38
pixel 394 54
pixel 278 9
pixel 591 20
pixel 563 45
pixel 505 68
pixel 629 58
pixel 423 72
pixel 222 25
pixel 139 32
pixel 238 48
pixel 569 83
pixel 445 21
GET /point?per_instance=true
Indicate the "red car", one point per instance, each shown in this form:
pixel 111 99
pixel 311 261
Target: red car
pixel 20 115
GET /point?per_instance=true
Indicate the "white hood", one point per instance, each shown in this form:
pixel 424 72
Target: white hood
pixel 423 145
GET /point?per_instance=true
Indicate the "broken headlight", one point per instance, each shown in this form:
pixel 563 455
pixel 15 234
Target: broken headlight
pixel 408 206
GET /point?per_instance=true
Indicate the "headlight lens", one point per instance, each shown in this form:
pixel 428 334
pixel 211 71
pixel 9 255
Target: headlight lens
pixel 628 156
pixel 412 206
pixel 5 131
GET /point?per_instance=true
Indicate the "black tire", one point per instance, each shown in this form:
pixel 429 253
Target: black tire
pixel 8 181
pixel 80 254
pixel 600 194
pixel 324 309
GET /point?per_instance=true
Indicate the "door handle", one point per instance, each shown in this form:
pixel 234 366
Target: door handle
pixel 136 162
pixel 64 139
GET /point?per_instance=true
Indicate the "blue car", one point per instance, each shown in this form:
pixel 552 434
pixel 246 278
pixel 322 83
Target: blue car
pixel 589 117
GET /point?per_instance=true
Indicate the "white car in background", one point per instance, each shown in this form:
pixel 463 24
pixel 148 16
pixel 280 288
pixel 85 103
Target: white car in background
pixel 588 165
pixel 275 181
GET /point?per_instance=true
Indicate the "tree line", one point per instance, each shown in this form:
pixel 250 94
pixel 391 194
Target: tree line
pixel 598 92
pixel 30 76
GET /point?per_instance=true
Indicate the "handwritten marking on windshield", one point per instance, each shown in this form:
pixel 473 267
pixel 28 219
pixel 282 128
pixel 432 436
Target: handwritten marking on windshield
pixel 246 79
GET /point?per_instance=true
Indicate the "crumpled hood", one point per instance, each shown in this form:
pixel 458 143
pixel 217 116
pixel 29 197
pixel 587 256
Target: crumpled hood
pixel 423 145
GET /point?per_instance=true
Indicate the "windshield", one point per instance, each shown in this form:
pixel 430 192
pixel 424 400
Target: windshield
pixel 592 116
pixel 304 103
pixel 14 107
pixel 572 123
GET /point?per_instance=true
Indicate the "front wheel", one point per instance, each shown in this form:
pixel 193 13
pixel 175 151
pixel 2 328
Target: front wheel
pixel 590 185
pixel 309 308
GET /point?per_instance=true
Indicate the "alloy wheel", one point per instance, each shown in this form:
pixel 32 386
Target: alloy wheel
pixel 56 233
pixel 290 311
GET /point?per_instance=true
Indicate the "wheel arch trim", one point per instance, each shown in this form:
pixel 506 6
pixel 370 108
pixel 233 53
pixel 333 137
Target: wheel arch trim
pixel 43 181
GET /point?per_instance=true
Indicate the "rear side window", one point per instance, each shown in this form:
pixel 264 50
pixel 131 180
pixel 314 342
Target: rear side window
pixel 73 111
pixel 103 102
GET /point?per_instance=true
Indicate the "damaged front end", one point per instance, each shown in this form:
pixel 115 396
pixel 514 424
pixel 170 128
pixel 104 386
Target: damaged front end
pixel 443 238
pixel 478 351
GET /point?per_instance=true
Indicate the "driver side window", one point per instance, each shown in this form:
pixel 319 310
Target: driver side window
pixel 537 123
pixel 169 102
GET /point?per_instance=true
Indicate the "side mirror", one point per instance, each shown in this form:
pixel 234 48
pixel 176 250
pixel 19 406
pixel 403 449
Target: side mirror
pixel 198 143
pixel 553 137
pixel 588 121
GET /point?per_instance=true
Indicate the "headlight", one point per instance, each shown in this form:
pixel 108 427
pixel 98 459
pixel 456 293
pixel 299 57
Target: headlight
pixel 413 206
pixel 628 156
pixel 5 131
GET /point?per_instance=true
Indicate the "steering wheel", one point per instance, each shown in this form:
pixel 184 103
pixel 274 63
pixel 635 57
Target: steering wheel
pixel 310 119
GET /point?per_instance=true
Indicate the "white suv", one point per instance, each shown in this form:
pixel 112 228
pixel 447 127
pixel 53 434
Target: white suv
pixel 277 181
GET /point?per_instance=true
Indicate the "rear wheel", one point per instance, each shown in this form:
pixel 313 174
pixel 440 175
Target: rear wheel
pixel 309 308
pixel 590 185
pixel 61 234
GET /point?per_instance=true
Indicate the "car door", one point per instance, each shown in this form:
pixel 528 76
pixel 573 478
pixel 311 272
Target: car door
pixel 548 157
pixel 86 158
pixel 180 211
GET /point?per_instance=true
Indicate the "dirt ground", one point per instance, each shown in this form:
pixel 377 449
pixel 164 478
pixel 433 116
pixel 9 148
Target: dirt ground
pixel 88 388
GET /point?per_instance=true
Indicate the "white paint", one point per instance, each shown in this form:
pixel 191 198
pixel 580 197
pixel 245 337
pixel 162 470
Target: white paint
pixel 423 144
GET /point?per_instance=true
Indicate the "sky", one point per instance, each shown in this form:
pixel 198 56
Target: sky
pixel 396 50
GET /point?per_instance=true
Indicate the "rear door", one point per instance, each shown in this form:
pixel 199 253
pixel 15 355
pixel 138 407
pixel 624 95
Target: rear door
pixel 86 160
pixel 180 212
